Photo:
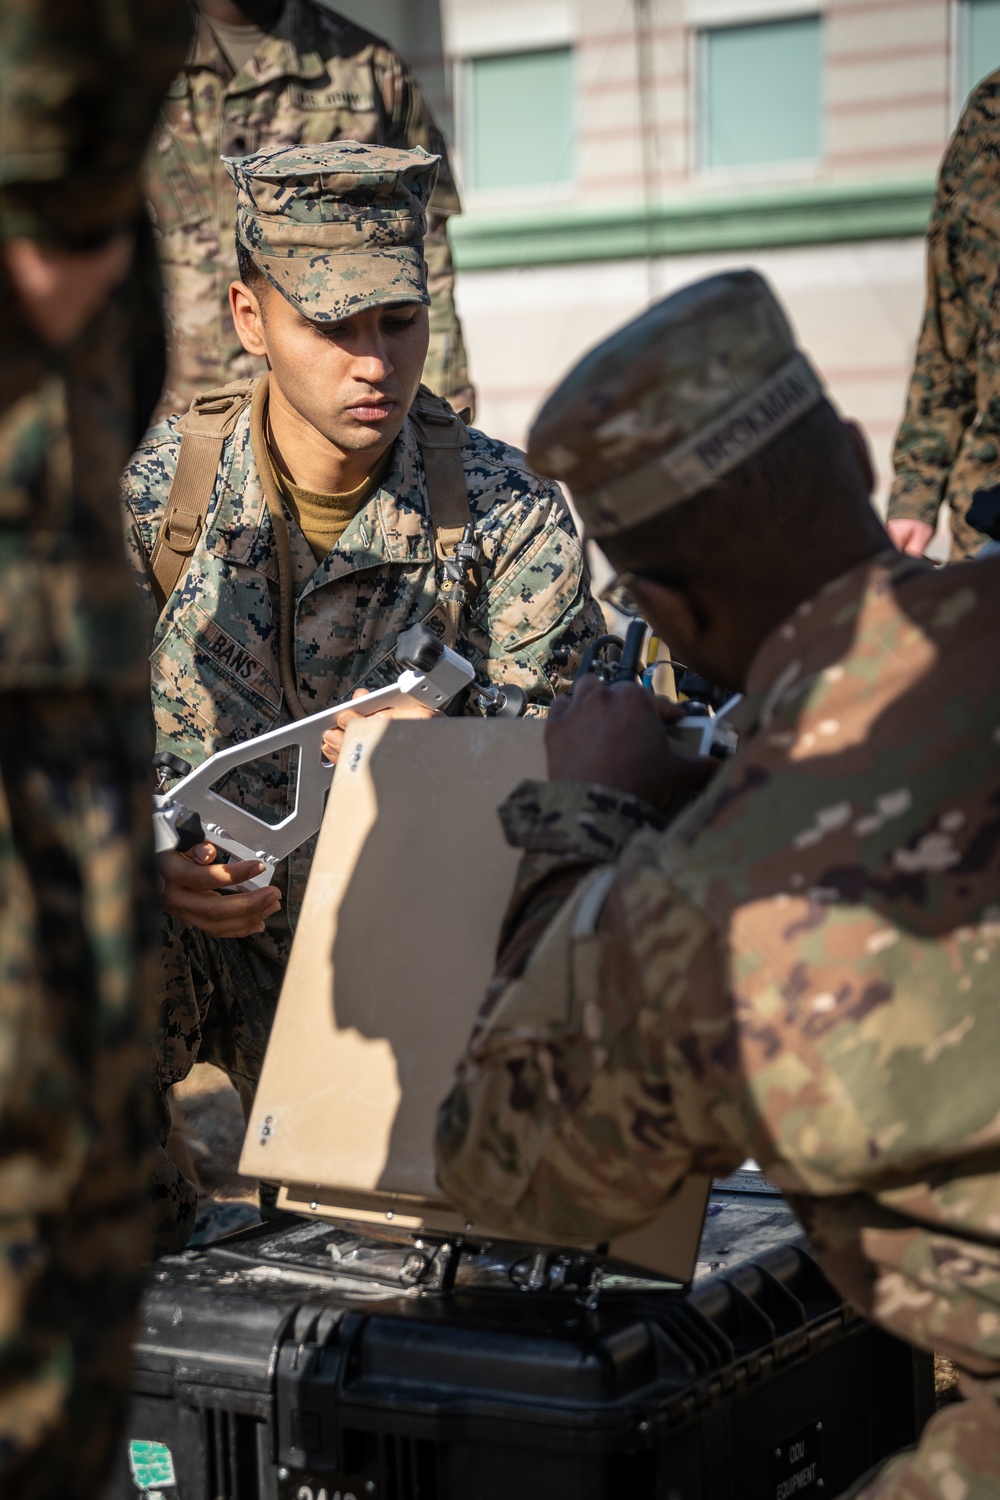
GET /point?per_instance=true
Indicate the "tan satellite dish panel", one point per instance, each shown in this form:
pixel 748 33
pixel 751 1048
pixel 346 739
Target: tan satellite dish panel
pixel 392 956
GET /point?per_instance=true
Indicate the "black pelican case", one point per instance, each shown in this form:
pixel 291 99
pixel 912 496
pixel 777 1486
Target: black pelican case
pixel 299 1361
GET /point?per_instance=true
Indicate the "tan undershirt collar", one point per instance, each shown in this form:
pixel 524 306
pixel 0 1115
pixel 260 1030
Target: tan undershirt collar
pixel 239 43
pixel 323 519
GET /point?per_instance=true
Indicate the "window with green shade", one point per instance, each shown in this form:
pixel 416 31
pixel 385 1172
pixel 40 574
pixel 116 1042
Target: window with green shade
pixel 760 93
pixel 980 41
pixel 519 120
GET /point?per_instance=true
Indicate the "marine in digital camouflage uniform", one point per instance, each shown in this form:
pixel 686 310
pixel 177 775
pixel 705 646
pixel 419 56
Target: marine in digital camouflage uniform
pixel 315 76
pixel 949 443
pixel 337 230
pixel 802 966
pixel 80 85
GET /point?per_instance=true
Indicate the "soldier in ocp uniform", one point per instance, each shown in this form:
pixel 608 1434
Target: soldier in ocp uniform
pixel 81 345
pixel 327 523
pixel 262 74
pixel 802 967
pixel 948 445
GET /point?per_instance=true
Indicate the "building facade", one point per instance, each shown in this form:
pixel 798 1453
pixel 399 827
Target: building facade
pixel 611 150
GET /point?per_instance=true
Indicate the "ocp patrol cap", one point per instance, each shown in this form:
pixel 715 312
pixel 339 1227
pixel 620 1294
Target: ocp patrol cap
pixel 337 227
pixel 673 401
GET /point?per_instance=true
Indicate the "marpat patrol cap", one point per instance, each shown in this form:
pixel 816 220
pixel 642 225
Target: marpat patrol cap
pixel 337 227
pixel 673 401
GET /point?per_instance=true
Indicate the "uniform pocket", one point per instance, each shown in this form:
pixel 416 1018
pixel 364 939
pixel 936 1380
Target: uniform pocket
pixel 531 596
pixel 210 692
pixel 209 689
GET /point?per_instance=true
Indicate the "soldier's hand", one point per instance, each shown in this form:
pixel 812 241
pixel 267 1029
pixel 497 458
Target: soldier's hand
pixel 910 536
pixel 333 739
pixel 198 891
pixel 615 734
pixel 61 290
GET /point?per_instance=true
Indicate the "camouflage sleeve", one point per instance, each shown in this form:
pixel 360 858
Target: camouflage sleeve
pixel 564 828
pixel 566 1120
pixel 535 615
pixel 81 86
pixel 138 558
pixel 574 820
pixel 144 489
pixel 941 400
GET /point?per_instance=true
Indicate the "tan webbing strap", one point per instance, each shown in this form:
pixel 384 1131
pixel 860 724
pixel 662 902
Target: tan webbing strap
pixel 204 429
pixel 442 436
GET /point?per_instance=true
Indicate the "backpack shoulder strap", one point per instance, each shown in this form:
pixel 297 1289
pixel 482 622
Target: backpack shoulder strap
pixel 442 436
pixel 210 419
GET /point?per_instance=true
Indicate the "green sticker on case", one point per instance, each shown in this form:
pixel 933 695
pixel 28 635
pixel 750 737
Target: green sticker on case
pixel 151 1464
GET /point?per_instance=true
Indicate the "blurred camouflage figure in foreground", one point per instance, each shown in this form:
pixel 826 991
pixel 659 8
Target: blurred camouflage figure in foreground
pixel 332 498
pixel 80 86
pixel 261 74
pixel 949 443
pixel 802 967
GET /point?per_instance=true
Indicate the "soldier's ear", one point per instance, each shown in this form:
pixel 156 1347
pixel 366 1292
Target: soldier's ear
pixel 248 318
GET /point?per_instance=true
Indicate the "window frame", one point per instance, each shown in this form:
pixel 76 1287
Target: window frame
pixel 711 15
pixel 527 194
pixel 790 169
pixel 961 87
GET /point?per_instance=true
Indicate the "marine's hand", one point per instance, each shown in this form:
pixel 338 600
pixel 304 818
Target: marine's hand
pixel 333 739
pixel 196 890
pixel 910 536
pixel 616 735
pixel 61 290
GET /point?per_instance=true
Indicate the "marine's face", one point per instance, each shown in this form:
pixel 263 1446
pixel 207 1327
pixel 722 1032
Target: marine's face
pixel 352 381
